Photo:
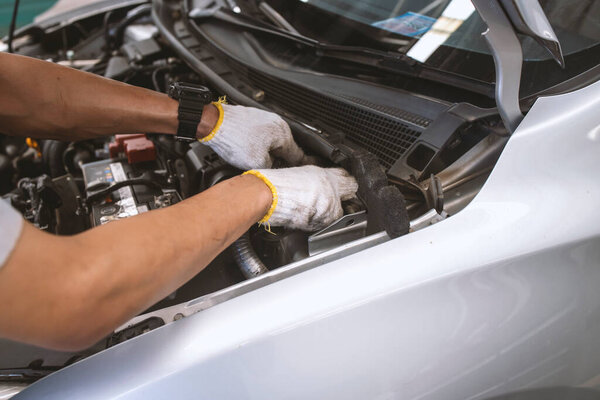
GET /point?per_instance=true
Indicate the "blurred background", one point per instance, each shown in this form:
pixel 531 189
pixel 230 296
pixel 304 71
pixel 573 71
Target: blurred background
pixel 28 10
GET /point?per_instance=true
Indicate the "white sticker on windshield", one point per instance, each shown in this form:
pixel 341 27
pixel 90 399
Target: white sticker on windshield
pixel 451 19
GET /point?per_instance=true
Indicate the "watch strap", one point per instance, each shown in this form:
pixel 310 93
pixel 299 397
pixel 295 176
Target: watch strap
pixel 189 116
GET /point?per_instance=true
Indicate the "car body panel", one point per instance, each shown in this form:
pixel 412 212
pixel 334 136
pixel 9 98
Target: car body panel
pixel 501 296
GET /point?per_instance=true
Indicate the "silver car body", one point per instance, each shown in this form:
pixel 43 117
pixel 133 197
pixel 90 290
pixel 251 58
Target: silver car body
pixel 500 297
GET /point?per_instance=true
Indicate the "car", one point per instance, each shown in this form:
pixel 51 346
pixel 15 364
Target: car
pixel 469 265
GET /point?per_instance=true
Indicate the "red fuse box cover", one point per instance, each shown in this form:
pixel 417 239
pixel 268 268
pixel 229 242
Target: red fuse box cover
pixel 137 148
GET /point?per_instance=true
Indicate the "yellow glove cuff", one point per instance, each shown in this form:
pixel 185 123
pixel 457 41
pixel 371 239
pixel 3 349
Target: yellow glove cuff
pixel 217 125
pixel 273 191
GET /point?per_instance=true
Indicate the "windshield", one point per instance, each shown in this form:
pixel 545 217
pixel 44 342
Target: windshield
pixel 446 34
pixel 577 23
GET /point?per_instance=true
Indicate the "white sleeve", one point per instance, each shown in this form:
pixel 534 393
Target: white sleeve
pixel 11 224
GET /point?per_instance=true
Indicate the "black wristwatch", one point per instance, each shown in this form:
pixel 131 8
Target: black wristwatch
pixel 192 99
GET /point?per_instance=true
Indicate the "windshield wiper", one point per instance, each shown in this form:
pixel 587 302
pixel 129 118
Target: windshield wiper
pixel 276 18
pixel 393 62
pixel 396 62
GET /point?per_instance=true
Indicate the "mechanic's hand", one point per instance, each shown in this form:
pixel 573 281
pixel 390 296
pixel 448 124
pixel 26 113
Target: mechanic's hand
pixel 248 138
pixel 307 198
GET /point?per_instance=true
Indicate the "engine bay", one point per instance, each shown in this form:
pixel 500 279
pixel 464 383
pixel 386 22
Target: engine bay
pixel 414 168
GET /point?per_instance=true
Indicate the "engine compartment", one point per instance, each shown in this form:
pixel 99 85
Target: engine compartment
pixel 68 187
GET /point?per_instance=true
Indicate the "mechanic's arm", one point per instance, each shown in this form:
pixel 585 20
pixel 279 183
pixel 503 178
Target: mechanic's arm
pixel 69 292
pixel 45 100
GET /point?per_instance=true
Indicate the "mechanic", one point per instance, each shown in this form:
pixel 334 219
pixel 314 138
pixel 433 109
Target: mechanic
pixel 69 292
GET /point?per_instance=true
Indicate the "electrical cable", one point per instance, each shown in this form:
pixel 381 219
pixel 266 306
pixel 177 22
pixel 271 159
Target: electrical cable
pixel 11 29
pixel 155 73
pixel 155 79
pixel 100 194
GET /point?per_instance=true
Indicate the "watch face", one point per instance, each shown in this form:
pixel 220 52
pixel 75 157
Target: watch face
pixel 179 89
pixel 201 92
pixel 193 87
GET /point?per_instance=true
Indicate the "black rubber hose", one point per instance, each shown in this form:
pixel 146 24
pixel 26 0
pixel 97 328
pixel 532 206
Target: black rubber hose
pixel 52 157
pixel 134 15
pixel 114 37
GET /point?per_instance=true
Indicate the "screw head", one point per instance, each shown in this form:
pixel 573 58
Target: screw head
pixel 258 95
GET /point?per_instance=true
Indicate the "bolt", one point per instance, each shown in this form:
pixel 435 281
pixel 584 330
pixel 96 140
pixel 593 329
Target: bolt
pixel 258 95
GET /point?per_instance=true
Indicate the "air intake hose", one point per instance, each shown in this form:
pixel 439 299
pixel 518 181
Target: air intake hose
pixel 246 258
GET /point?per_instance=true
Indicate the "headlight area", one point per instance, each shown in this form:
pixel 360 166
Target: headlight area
pixel 68 187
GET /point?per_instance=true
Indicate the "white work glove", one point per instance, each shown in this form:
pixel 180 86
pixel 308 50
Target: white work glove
pixel 248 138
pixel 307 198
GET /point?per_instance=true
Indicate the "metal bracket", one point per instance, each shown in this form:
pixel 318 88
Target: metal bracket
pixel 431 217
pixel 346 229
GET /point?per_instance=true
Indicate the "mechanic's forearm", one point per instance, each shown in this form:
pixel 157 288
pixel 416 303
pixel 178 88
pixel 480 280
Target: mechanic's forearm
pixel 73 291
pixel 42 99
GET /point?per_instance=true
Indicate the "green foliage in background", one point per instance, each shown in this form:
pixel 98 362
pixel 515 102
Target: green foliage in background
pixel 28 9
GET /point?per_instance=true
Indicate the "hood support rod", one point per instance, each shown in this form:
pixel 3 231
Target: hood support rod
pixel 508 57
